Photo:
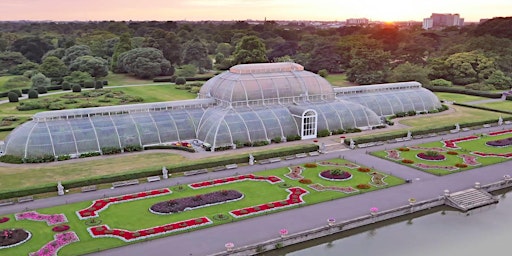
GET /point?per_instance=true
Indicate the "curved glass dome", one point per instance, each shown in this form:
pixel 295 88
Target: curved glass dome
pixel 228 126
pixel 389 99
pixel 264 82
pixel 340 115
pixel 91 134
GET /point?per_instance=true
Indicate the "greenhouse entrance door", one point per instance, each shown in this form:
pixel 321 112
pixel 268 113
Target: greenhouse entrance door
pixel 309 119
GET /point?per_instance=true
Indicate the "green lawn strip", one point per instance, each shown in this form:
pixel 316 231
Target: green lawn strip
pixel 338 80
pixel 158 93
pixel 465 147
pixel 4 79
pixel 134 215
pixel 124 79
pixel 461 98
pixel 501 105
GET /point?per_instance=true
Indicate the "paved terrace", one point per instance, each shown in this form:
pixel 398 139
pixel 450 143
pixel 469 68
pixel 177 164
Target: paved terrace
pixel 211 240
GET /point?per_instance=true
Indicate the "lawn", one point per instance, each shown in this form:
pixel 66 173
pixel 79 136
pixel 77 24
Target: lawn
pixel 460 98
pixel 338 80
pixel 124 79
pixel 4 79
pixel 501 105
pixel 133 215
pixel 458 155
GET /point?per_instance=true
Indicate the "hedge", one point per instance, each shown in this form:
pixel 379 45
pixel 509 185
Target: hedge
pixel 483 108
pixel 138 174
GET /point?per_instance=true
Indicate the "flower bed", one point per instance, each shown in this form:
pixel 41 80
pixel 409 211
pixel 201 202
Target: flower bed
pixel 427 157
pixel 4 219
pixel 436 149
pixel 102 204
pixel 453 153
pixel 128 236
pixel 363 169
pixel 305 181
pixel 500 132
pixel 50 219
pixel 210 183
pixel 393 154
pixel 363 186
pixel 407 161
pixel 60 228
pixel 348 165
pixel 320 187
pixel 459 165
pixel 427 166
pixel 194 202
pixel 52 247
pixel 469 160
pixel 482 154
pixel 295 173
pixel 500 143
pixel 403 149
pixel 294 198
pixel 13 237
pixel 451 143
pixel 335 175
pixel 378 179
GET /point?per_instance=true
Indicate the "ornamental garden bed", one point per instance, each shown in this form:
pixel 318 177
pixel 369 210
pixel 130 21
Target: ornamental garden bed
pixel 454 155
pixel 187 207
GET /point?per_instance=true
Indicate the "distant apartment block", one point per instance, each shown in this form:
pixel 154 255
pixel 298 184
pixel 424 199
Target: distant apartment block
pixel 442 20
pixel 357 22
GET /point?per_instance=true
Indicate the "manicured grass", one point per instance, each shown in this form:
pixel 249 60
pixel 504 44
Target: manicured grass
pixel 134 215
pixel 501 105
pixel 461 98
pixel 339 80
pixel 461 115
pixel 4 79
pixel 465 147
pixel 124 79
pixel 158 93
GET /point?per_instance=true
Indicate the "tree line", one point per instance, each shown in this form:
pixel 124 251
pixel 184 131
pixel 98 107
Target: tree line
pixel 475 56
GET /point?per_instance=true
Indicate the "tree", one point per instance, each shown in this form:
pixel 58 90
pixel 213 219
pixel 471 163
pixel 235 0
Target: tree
pixel 40 80
pixel 23 67
pixel 499 80
pixel 53 67
pixel 13 97
pixel 283 49
pixel 9 60
pixel 250 49
pixel 95 66
pixel 196 54
pixel 324 56
pixel 59 53
pixel 144 63
pixel 368 66
pixel 469 67
pixel 187 71
pixel 33 47
pixel 409 72
pixel 224 48
pixel 74 52
pixel 123 45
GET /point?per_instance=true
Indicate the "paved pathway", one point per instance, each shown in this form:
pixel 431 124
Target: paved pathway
pixel 211 240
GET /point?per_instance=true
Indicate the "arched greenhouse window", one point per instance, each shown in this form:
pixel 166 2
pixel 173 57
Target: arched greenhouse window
pixel 309 124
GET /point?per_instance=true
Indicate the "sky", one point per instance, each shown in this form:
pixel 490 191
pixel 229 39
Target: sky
pixel 192 10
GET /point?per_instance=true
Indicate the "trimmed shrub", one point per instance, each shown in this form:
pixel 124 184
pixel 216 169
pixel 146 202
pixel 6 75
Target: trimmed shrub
pixel 323 133
pixel 33 94
pixel 305 181
pixel 180 80
pixel 76 88
pixel 98 85
pixel 323 73
pixel 42 90
pixel 66 86
pixel 11 159
pixel 18 92
pixel 13 97
pixel 89 83
pixel 110 150
pixel 132 148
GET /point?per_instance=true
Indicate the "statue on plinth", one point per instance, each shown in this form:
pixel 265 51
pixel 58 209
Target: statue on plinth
pixel 60 189
pixel 251 159
pixel 352 144
pixel 165 173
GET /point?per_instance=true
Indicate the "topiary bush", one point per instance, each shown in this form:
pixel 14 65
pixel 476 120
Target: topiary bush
pixel 13 97
pixel 66 86
pixel 180 81
pixel 33 94
pixel 89 83
pixel 42 90
pixel 18 92
pixel 76 88
pixel 98 85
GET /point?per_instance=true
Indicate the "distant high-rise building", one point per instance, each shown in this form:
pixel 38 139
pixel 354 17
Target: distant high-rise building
pixel 356 22
pixel 442 20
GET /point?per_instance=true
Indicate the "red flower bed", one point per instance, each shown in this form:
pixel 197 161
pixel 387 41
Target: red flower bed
pixel 305 181
pixel 451 143
pixel 125 235
pixel 500 132
pixel 295 197
pixel 209 183
pixel 102 204
pixel 461 165
pixel 4 219
pixel 407 161
pixel 504 155
pixel 404 149
pixel 60 228
pixel 363 169
pixel 363 186
pixel 431 158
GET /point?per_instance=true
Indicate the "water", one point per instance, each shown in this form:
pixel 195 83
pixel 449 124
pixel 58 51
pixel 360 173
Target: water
pixel 439 232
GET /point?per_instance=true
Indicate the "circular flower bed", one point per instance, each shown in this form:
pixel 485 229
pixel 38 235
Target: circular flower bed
pixel 4 219
pixel 500 143
pixel 431 156
pixel 13 237
pixel 60 228
pixel 335 175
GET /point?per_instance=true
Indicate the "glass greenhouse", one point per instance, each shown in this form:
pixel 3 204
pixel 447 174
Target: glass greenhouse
pixel 249 104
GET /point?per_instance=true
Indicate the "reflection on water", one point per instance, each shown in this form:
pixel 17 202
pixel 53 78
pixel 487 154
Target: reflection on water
pixel 439 232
